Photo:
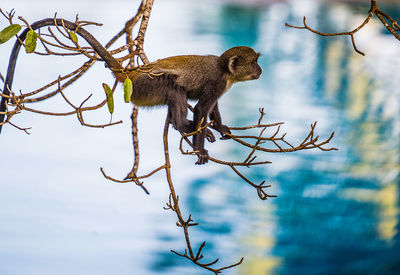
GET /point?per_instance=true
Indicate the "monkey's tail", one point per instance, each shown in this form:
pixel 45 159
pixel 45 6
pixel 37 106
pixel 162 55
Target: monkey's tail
pixel 104 54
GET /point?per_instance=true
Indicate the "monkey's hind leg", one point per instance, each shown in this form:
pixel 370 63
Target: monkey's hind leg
pixel 177 114
pixel 177 111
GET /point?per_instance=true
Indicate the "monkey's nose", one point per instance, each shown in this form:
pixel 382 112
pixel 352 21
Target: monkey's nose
pixel 257 75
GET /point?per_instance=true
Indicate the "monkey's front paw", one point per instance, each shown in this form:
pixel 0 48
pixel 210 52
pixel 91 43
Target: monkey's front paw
pixel 203 156
pixel 209 135
pixel 224 130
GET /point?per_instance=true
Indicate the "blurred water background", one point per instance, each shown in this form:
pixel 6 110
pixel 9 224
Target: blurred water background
pixel 336 212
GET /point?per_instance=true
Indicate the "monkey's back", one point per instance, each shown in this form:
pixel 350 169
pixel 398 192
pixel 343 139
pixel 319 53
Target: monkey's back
pixel 185 73
pixel 192 71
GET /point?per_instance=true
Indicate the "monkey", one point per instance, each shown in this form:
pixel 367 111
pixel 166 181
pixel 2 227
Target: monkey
pixel 195 77
pixel 173 81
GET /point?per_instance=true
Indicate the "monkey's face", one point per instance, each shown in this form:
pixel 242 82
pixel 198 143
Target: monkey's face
pixel 245 66
pixel 255 69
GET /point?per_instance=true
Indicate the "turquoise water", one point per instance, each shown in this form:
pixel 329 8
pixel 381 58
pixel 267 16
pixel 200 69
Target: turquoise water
pixel 336 212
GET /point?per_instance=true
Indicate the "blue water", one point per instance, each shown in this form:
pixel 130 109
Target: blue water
pixel 336 212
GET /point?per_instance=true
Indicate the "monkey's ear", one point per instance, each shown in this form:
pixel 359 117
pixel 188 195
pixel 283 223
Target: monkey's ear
pixel 232 64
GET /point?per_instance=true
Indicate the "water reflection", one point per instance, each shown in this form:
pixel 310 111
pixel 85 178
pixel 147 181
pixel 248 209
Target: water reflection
pixel 337 213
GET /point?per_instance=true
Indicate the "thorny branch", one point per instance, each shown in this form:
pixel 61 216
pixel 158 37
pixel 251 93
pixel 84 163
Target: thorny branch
pixel 278 142
pixel 143 13
pixel 391 25
pixel 58 41
pixel 173 205
pixel 14 104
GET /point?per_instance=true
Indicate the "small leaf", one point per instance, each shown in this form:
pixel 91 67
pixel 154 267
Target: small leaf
pixel 73 37
pixel 7 33
pixel 30 41
pixel 110 98
pixel 128 89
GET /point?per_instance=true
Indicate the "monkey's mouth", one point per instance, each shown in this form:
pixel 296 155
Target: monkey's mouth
pixel 255 76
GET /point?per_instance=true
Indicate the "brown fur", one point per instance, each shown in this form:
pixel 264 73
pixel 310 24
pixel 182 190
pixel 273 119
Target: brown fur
pixel 173 80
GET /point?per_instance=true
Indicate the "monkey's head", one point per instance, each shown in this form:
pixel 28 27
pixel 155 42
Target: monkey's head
pixel 240 63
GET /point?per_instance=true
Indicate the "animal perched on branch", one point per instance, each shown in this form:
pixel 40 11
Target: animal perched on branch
pixel 170 81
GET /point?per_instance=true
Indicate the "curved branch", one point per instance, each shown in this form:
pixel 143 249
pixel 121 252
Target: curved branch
pixel 391 25
pixel 50 22
pixel 173 205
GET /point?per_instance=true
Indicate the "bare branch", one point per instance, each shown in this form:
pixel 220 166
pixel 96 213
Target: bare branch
pixel 391 25
pixel 57 40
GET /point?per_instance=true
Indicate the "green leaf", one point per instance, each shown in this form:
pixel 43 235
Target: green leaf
pixel 30 41
pixel 128 89
pixel 110 98
pixel 7 33
pixel 73 37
